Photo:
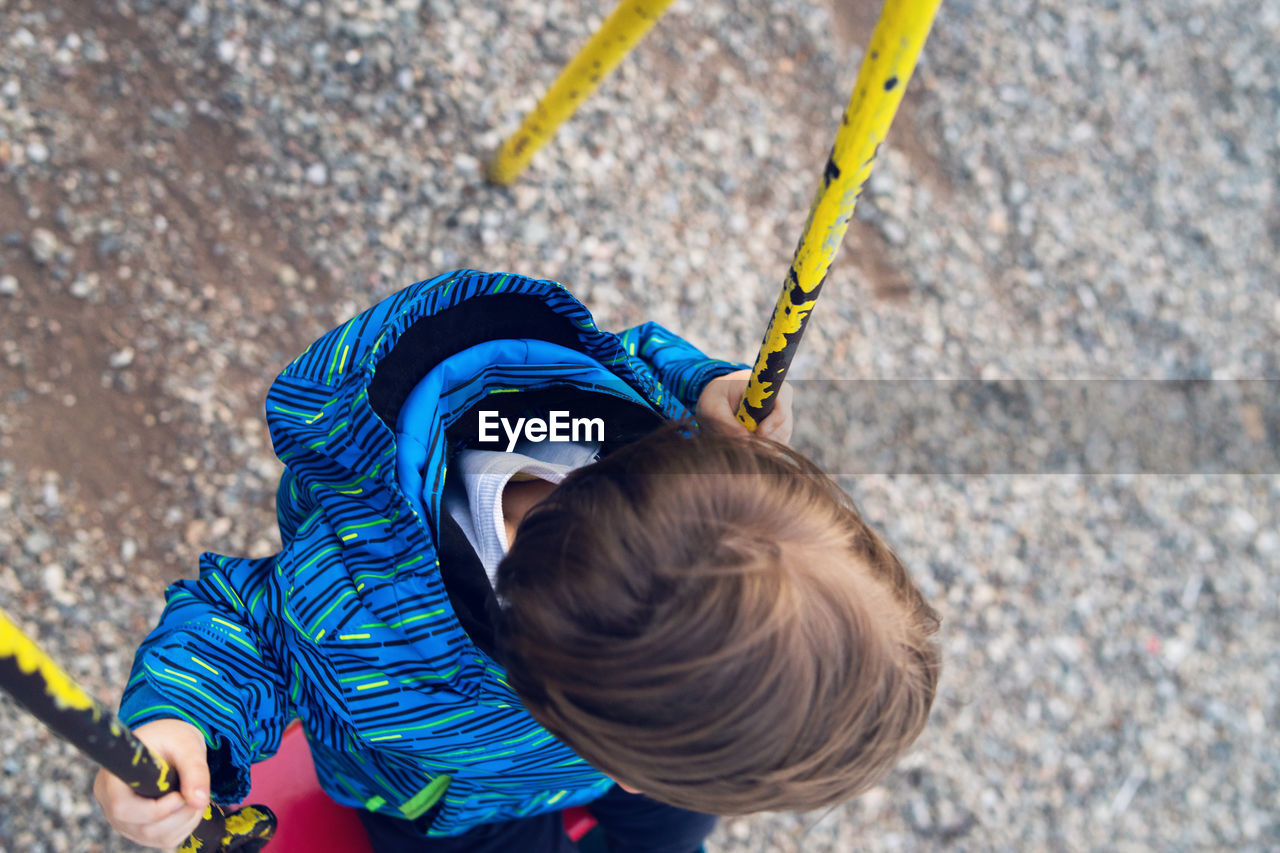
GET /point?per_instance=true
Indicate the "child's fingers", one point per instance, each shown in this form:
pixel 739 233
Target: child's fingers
pixel 718 406
pixel 122 806
pixel 778 423
pixel 167 833
pixel 190 759
pixel 182 745
pixel 165 821
pixel 140 810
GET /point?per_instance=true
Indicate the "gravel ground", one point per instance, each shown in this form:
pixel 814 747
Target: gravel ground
pixel 190 192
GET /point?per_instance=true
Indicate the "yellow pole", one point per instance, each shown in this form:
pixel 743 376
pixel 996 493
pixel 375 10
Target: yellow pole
pixel 620 33
pixel 886 69
pixel 38 684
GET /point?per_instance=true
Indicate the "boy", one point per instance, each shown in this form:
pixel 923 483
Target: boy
pixel 703 618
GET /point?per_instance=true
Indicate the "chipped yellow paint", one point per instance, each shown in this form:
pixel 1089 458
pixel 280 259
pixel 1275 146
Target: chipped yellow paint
pixel 31 660
pixel 230 829
pixel 195 841
pixel 250 822
pixel 886 69
pixel 164 780
pixel 247 822
pixel 617 36
pixel 788 319
pixel 193 844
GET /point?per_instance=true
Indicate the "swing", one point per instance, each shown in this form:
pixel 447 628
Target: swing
pixel 286 784
pixel 309 820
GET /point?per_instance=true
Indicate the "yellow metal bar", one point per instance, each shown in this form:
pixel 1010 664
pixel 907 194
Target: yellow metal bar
pixel 27 659
pixel 38 684
pixel 620 33
pixel 886 69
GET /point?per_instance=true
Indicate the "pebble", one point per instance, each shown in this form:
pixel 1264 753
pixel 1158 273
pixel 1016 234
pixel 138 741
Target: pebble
pixel 8 285
pixel 84 286
pixel 227 51
pixel 52 578
pixel 44 246
pixel 36 544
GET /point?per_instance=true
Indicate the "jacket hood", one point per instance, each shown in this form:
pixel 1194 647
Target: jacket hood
pixel 332 414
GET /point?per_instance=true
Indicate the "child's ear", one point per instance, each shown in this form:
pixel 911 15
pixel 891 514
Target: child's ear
pixel 624 786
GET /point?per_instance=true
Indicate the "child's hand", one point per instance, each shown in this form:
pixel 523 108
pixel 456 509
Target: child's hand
pixel 718 405
pixel 166 822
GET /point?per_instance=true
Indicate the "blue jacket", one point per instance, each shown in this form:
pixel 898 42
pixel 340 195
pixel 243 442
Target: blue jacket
pixel 351 627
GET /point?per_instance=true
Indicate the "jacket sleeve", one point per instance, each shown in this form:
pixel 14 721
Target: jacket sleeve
pixel 211 663
pixel 682 368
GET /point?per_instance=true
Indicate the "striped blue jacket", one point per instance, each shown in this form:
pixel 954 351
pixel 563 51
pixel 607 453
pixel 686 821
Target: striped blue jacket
pixel 351 627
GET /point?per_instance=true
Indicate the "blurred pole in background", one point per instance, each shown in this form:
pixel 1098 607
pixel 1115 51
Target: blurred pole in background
pixel 619 34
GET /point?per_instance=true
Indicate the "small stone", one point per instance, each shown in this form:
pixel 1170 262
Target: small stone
pixel 37 543
pixel 84 286
pixel 52 578
pixel 8 285
pixel 881 183
pixel 108 246
pixel 318 174
pixel 1244 522
pixel 44 246
pixel 1267 543
pixel 287 275
pixel 894 232
pixel 121 358
pixel 227 51
pixel 37 152
pixel 196 533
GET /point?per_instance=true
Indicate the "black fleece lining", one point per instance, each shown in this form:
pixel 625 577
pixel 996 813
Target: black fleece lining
pixel 433 339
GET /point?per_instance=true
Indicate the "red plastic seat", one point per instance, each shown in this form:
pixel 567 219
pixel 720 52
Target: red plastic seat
pixel 309 821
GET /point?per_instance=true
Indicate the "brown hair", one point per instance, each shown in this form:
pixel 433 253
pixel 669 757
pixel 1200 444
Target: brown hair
pixel 708 619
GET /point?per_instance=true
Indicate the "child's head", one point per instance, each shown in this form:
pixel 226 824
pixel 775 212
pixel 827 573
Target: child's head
pixel 708 620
